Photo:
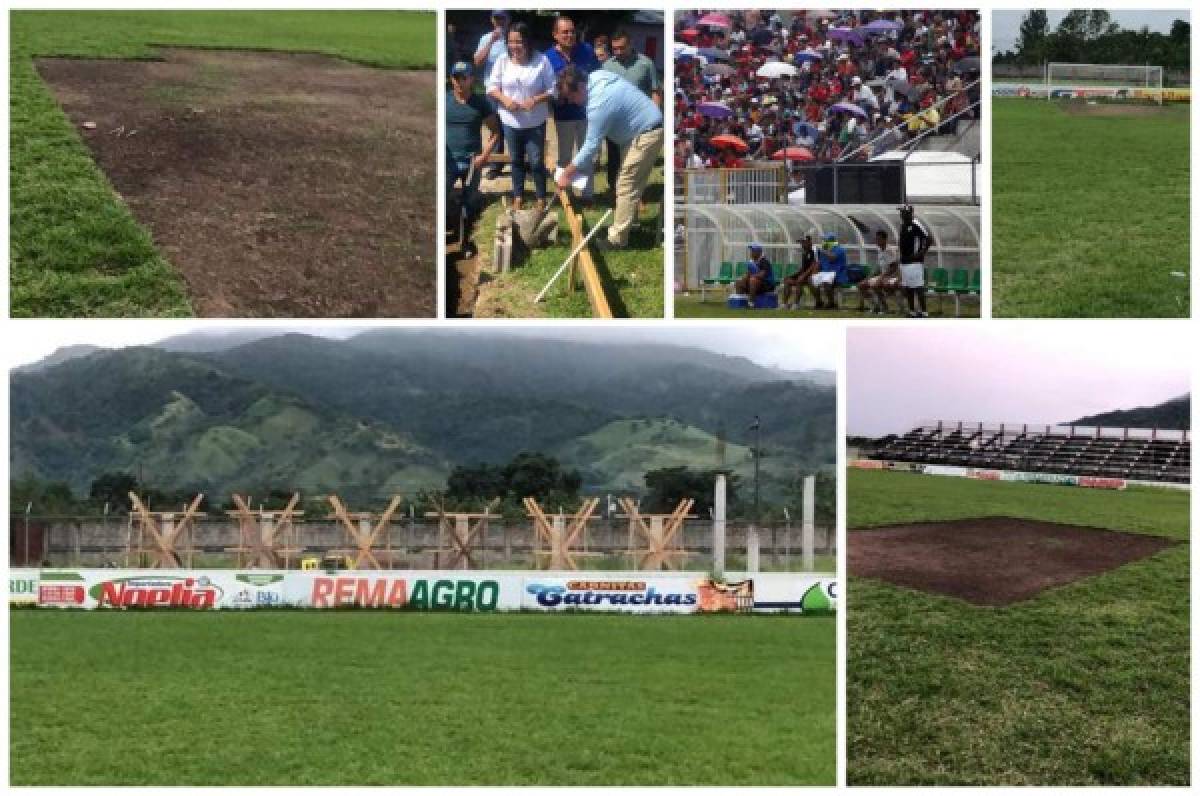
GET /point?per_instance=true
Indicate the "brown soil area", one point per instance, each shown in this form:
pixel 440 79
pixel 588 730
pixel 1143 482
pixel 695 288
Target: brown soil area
pixel 280 185
pixel 1084 108
pixel 992 560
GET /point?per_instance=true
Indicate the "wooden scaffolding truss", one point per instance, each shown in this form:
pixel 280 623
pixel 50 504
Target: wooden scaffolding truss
pixel 458 534
pixel 584 264
pixel 363 530
pixel 559 532
pixel 266 539
pixel 162 539
pixel 660 533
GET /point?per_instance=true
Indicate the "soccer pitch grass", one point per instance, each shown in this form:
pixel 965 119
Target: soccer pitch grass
pixel 1090 213
pixel 372 697
pixel 75 248
pixel 1086 684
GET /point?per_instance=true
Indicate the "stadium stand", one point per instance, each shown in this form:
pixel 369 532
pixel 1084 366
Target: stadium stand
pixel 1130 454
pixel 849 84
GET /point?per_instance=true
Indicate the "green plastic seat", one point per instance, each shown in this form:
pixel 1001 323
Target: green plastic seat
pixel 939 280
pixel 741 270
pixel 976 285
pixel 960 280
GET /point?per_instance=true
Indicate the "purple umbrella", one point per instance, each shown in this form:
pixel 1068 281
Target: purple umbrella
pixel 848 35
pixel 878 27
pixel 847 107
pixel 715 110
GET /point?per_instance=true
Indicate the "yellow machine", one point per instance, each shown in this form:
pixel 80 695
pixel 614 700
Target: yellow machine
pixel 326 563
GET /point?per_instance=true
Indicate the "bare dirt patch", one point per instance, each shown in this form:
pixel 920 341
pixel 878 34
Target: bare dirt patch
pixel 280 185
pixel 992 560
pixel 1084 108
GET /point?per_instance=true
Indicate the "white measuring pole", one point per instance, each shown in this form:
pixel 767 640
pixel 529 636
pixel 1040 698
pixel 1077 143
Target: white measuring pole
pixel 573 255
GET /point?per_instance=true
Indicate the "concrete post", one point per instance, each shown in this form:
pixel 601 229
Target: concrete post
pixel 808 531
pixel 718 542
pixel 752 549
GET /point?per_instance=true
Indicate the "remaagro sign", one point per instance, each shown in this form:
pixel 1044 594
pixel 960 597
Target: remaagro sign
pixel 368 591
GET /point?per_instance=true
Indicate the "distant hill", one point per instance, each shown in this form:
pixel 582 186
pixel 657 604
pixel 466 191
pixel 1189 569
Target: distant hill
pixel 1172 414
pixel 397 409
pixel 59 356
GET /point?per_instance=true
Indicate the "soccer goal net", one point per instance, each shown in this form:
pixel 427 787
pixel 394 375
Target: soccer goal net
pixel 1104 81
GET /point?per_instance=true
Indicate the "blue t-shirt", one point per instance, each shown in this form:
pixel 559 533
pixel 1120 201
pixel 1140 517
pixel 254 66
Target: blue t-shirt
pixel 499 47
pixel 763 265
pixel 834 260
pixel 584 59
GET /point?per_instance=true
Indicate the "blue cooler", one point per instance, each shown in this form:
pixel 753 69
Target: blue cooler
pixel 766 301
pixel 737 302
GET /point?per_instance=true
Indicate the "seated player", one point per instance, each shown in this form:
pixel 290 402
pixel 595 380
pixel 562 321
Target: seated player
pixel 793 286
pixel 886 281
pixel 824 283
pixel 760 278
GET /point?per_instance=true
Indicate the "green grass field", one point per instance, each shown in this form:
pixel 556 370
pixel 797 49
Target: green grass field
pixel 1087 684
pixel 365 697
pixel 690 306
pixel 633 276
pixel 1090 213
pixel 75 249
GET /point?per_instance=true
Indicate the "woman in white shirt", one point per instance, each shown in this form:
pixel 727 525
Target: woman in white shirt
pixel 522 84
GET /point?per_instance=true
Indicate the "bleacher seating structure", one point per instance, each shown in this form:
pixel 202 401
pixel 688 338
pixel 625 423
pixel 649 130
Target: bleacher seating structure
pixel 1130 454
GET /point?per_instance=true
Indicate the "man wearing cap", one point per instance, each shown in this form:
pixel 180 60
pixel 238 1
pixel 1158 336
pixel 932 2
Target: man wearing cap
pixel 616 110
pixel 832 260
pixel 760 276
pixel 491 46
pixel 914 242
pixel 466 115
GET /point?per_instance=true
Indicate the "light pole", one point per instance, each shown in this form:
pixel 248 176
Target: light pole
pixel 756 428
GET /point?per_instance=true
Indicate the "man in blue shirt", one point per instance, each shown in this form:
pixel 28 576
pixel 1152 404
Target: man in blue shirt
pixel 760 276
pixel 832 259
pixel 492 45
pixel 616 109
pixel 570 118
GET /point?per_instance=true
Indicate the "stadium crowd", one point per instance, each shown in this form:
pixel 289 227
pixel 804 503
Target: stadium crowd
pixel 818 86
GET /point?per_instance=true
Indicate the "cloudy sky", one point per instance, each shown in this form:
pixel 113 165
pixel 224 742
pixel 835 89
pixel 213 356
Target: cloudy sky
pixel 772 344
pixel 1011 372
pixel 1006 25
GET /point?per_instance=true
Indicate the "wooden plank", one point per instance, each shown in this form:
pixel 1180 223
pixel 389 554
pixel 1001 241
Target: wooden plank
pixel 587 266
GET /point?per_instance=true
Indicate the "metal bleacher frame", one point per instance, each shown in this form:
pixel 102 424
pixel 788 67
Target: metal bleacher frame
pixel 1154 455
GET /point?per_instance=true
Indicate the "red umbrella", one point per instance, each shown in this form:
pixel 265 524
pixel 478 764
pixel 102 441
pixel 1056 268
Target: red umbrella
pixel 715 20
pixel 731 142
pixel 688 35
pixel 794 153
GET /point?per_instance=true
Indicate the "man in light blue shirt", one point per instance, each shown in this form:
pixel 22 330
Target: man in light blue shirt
pixel 618 110
pixel 492 45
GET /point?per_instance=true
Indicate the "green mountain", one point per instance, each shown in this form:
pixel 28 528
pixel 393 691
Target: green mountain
pixel 396 409
pixel 1173 414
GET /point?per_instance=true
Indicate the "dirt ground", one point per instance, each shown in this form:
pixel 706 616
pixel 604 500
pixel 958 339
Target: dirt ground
pixel 993 560
pixel 1084 108
pixel 280 185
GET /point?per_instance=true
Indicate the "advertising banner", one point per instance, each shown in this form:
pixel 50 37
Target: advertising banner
pixel 1101 483
pixel 984 475
pixel 22 586
pixel 134 588
pixel 433 590
pixel 429 590
pixel 867 464
pixel 1040 478
pixel 942 469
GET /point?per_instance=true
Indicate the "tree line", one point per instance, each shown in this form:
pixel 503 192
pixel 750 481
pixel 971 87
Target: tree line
pixel 1092 37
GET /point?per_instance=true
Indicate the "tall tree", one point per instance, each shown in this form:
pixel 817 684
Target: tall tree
pixel 1031 47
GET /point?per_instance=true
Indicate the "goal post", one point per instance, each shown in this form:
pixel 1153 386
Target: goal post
pixel 1104 81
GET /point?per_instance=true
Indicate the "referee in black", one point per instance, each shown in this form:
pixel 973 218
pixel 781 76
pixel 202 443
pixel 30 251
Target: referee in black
pixel 914 242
